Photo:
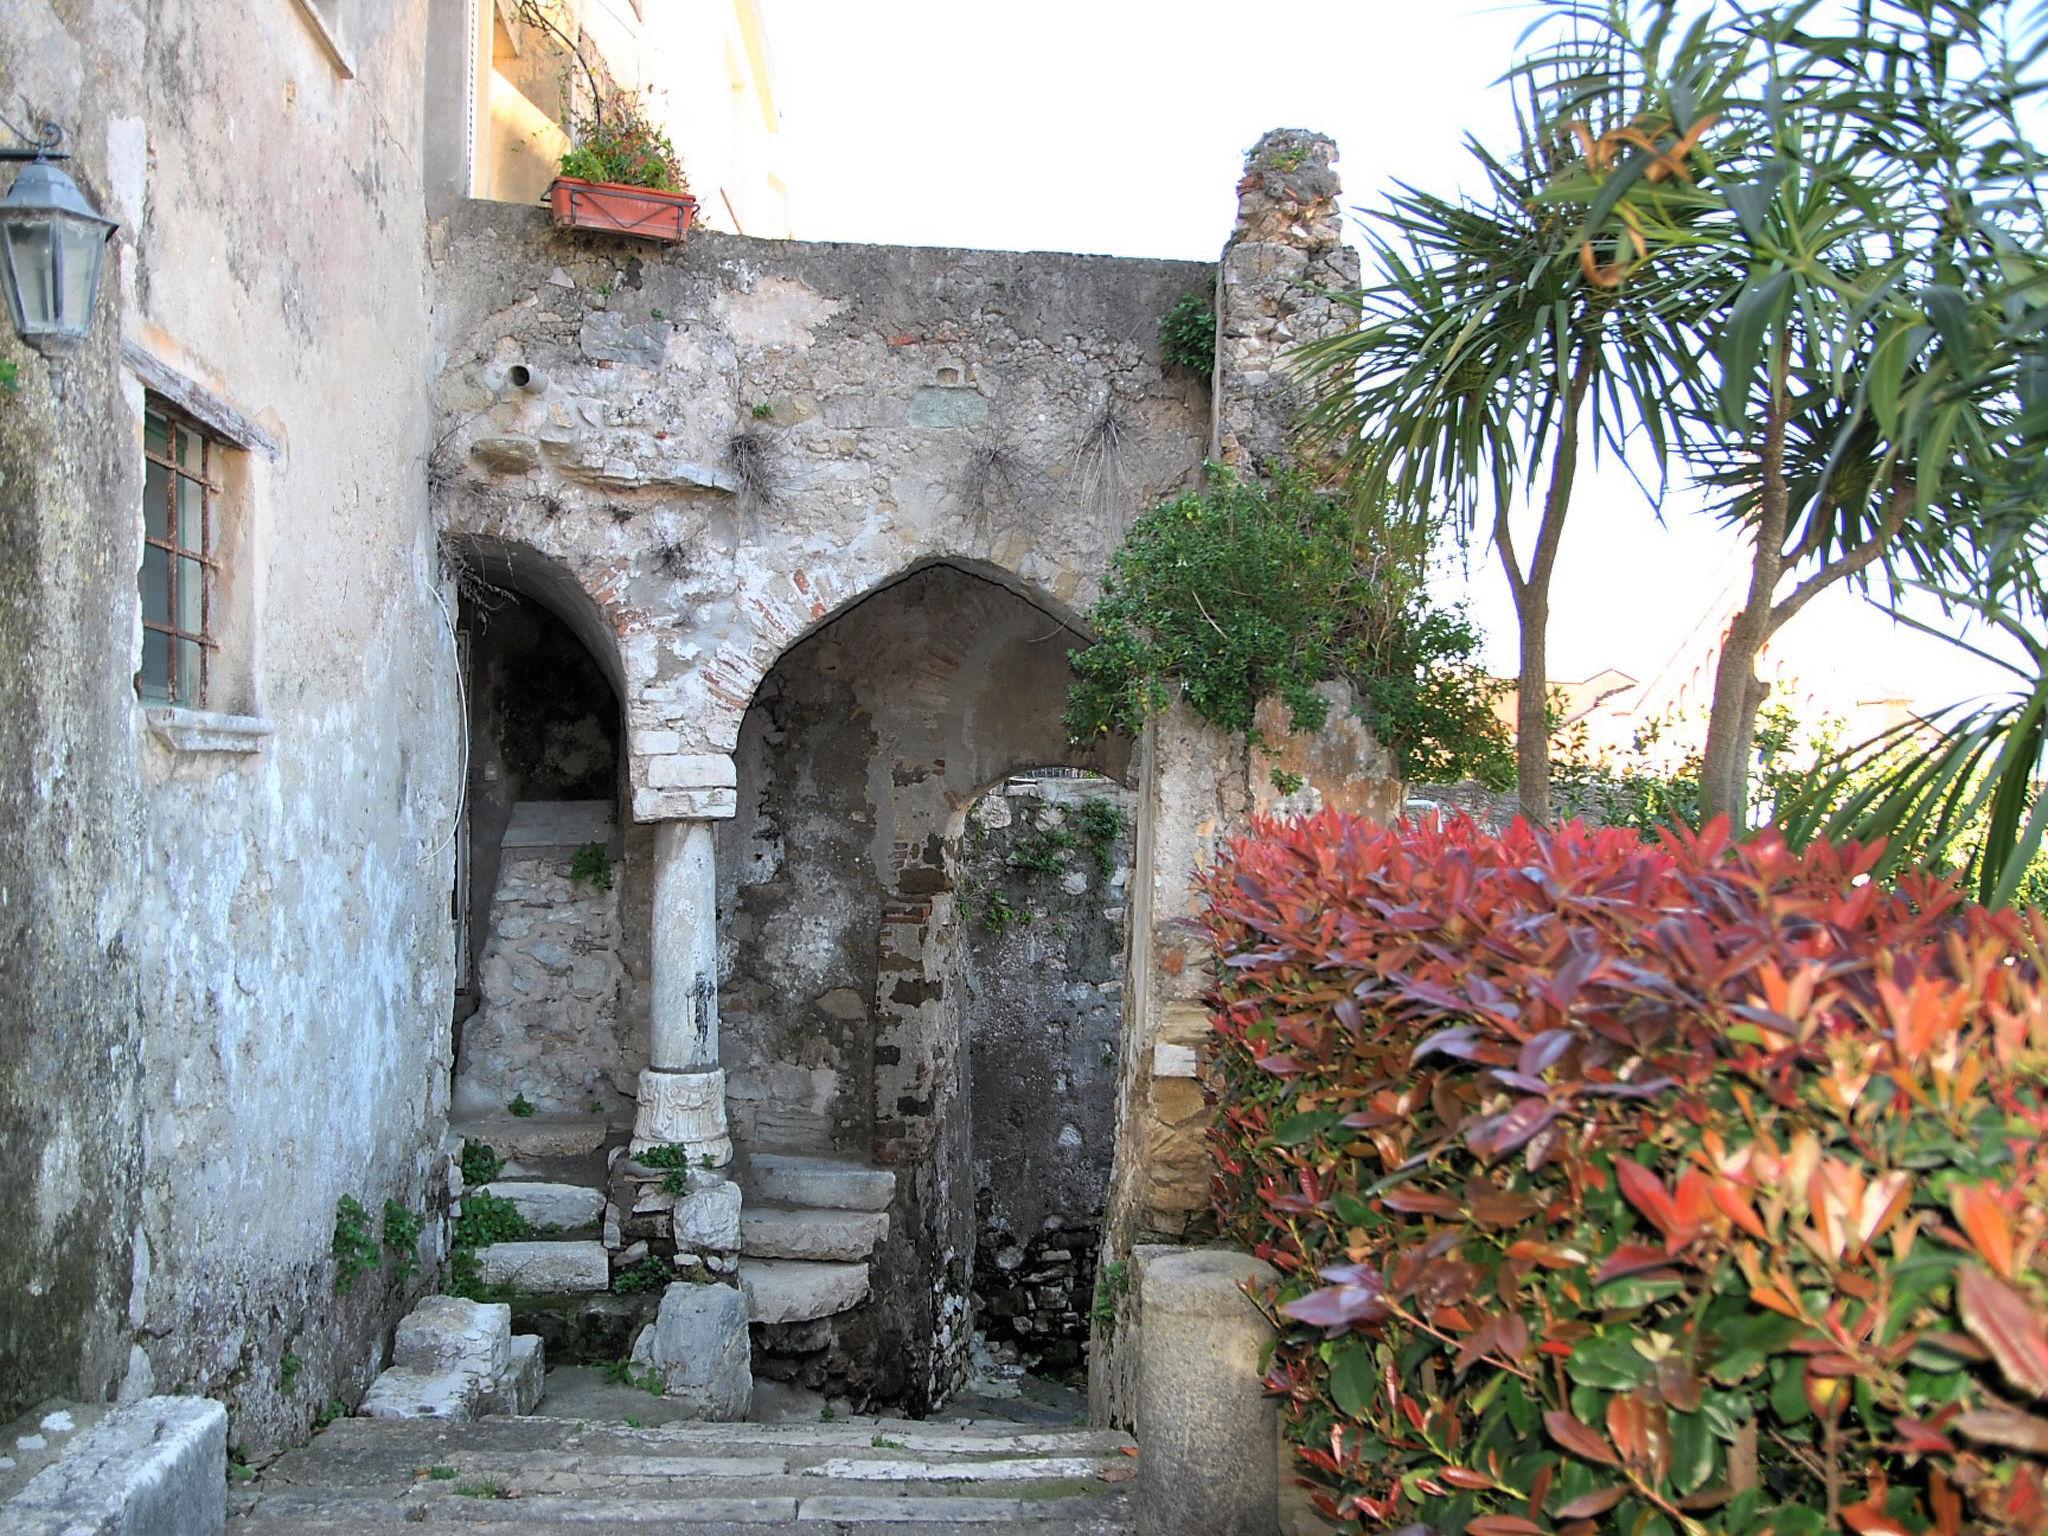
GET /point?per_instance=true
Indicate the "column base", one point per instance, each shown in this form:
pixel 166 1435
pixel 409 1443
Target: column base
pixel 685 1109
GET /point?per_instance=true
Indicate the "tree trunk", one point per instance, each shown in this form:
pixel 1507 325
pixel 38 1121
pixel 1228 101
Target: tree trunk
pixel 1532 600
pixel 1738 694
pixel 1532 706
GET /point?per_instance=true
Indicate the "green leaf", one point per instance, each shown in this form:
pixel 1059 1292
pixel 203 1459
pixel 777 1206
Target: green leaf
pixel 1788 1392
pixel 1742 343
pixel 1888 371
pixel 1297 1129
pixel 1609 1362
pixel 1692 1451
pixel 1352 1377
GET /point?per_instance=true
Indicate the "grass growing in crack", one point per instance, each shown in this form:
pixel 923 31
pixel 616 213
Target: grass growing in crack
pixel 482 1488
pixel 623 1373
pixel 591 866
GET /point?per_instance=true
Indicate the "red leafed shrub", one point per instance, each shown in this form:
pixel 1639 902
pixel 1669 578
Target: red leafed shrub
pixel 1634 1188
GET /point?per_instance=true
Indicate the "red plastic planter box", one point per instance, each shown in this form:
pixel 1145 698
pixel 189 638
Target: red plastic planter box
pixel 641 212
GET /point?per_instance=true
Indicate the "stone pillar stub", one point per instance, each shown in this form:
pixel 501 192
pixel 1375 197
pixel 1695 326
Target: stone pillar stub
pixel 1207 1431
pixel 1284 259
pixel 685 1109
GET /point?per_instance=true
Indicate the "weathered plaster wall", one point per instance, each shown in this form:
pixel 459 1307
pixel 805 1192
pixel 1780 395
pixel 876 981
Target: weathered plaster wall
pixel 841 999
pixel 1043 964
pixel 226 975
pixel 1005 411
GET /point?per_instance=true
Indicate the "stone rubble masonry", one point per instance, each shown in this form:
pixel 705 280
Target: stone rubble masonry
pixel 1283 261
pixel 698 1346
pixel 547 1028
pixel 157 1467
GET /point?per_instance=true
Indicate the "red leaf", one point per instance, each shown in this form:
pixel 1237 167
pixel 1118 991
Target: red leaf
pixel 1465 1477
pixel 1645 1191
pixel 1587 1505
pixel 2006 1325
pixel 1580 1439
pixel 1630 1259
pixel 1503 1525
pixel 1977 1209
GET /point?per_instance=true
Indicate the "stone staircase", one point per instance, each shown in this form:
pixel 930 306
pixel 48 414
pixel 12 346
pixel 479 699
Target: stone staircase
pixel 543 1476
pixel 808 1226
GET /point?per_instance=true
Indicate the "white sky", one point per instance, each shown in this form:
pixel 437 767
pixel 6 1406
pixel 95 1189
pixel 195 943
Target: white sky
pixel 1120 126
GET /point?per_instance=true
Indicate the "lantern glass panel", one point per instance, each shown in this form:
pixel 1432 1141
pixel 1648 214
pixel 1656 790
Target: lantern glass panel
pixel 31 253
pixel 82 245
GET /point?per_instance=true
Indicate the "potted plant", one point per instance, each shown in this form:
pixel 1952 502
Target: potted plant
pixel 622 176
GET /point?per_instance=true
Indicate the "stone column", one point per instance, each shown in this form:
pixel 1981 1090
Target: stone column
pixel 1207 1430
pixel 682 1092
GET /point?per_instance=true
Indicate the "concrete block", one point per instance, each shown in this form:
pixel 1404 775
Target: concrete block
pixel 564 1206
pixel 404 1393
pixel 768 1233
pixel 698 1345
pixel 1206 1427
pixel 540 1269
pixel 796 1290
pixel 446 1333
pixel 156 1467
pixel 519 1388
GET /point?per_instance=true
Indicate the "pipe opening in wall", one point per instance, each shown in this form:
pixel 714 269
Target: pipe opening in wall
pixel 532 380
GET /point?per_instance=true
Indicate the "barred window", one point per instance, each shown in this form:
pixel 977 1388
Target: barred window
pixel 179 485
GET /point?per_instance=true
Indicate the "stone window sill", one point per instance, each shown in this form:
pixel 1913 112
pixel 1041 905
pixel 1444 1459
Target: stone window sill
pixel 201 730
pixel 329 39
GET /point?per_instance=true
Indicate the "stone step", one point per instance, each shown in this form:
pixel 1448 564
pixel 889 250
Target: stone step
pixel 798 1290
pixel 367 1442
pixel 819 1183
pixel 539 1477
pixel 525 1138
pixel 546 1268
pixel 556 1207
pixel 774 1232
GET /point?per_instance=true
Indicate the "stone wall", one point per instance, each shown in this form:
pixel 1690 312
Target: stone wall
pixel 725 445
pixel 227 951
pixel 547 1028
pixel 1043 963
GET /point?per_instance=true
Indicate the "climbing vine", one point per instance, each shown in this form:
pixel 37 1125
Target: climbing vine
pixel 1239 592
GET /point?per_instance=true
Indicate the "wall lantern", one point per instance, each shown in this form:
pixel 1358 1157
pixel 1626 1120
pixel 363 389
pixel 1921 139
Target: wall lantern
pixel 51 244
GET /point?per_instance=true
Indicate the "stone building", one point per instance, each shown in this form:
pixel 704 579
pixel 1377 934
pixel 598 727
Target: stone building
pixel 602 650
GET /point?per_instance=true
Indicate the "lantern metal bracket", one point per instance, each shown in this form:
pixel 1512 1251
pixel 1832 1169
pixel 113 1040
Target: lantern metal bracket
pixel 41 145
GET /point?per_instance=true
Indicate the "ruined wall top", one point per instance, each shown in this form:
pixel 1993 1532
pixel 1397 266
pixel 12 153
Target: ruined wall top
pixel 1284 260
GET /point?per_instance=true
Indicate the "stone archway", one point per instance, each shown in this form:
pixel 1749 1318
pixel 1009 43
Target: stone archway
pixel 842 1031
pixel 543 853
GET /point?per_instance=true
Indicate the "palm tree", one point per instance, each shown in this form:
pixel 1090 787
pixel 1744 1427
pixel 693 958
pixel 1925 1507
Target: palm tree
pixel 1490 349
pixel 1871 190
